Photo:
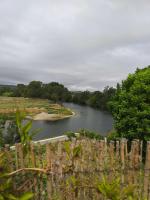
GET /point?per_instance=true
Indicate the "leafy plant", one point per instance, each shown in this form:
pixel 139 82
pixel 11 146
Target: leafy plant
pixel 90 134
pixel 26 135
pixel 24 130
pixel 114 191
pixel 72 154
pixel 70 134
pixel 6 186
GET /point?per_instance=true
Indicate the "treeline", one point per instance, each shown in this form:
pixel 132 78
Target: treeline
pixel 36 89
pixel 95 99
pixel 57 92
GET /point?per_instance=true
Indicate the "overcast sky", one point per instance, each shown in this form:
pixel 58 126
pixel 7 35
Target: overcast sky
pixel 84 44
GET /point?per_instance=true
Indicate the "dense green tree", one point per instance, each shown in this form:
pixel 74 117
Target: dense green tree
pixel 21 90
pixel 107 95
pixel 81 97
pixel 95 99
pixel 56 92
pixel 6 91
pixel 131 106
pixel 34 89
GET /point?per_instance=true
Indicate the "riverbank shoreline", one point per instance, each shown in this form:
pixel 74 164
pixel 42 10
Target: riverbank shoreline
pixel 50 117
pixel 35 109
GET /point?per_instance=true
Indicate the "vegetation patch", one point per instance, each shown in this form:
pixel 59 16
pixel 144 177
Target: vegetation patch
pixel 9 105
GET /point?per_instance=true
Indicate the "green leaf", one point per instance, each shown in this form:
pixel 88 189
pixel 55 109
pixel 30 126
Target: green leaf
pixel 67 148
pixel 1 197
pixel 10 197
pixel 26 196
pixel 27 127
pixel 76 151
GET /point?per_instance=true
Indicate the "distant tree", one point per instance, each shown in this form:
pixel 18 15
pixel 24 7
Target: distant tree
pixel 6 91
pixel 95 99
pixel 81 97
pixel 84 96
pixel 131 106
pixel 34 89
pixel 56 92
pixel 107 95
pixel 21 90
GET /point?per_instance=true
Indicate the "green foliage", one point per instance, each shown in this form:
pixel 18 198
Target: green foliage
pixel 20 91
pixel 81 97
pixel 26 196
pixel 95 99
pixel 114 191
pixel 34 89
pixel 130 106
pixel 6 185
pixel 7 94
pixel 72 154
pixel 67 148
pixel 90 134
pixel 24 130
pixel 70 134
pixel 113 135
pixel 71 182
pixel 77 151
pixel 7 90
pixel 84 133
pixel 56 92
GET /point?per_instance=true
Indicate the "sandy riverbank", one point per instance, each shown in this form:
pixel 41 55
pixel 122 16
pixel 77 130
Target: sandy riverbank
pixel 51 117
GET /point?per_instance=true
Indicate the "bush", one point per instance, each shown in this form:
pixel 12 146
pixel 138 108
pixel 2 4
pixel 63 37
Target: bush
pixel 70 134
pixel 90 134
pixel 130 106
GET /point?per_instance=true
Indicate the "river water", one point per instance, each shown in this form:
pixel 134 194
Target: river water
pixel 85 117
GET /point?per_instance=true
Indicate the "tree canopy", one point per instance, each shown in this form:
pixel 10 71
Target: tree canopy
pixel 130 106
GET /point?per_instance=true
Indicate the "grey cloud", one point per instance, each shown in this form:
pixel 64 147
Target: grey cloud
pixel 81 43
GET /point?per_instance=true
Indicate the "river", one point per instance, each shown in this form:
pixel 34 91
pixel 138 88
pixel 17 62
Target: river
pixel 85 117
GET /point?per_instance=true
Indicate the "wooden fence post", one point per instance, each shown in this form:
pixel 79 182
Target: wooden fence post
pixel 147 170
pixel 134 160
pixel 20 157
pixel 49 167
pixel 101 157
pixel 111 153
pixel 32 155
pixel 117 155
pixel 9 157
pixel 35 180
pixel 122 156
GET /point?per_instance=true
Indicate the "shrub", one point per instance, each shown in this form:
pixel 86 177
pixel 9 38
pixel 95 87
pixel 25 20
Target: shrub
pixel 130 106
